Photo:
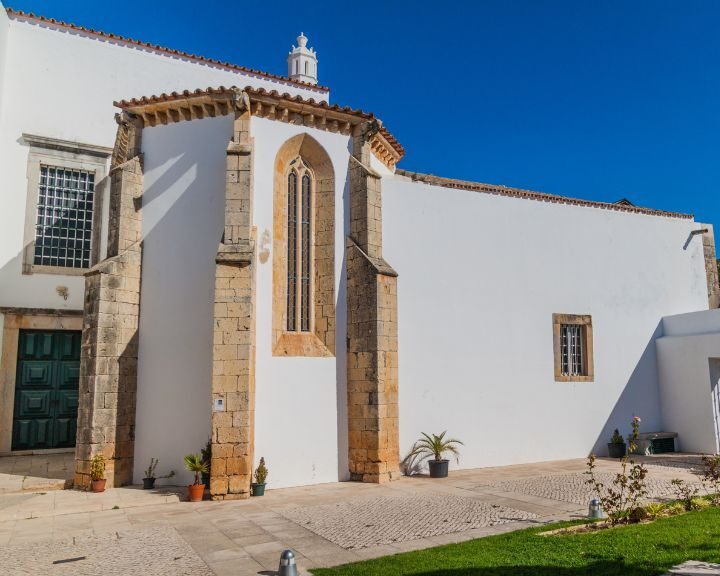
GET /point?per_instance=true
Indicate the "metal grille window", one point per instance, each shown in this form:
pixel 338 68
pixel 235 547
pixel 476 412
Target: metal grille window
pixel 63 227
pixel 299 248
pixel 572 353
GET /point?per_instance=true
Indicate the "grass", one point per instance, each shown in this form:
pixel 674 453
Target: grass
pixel 636 550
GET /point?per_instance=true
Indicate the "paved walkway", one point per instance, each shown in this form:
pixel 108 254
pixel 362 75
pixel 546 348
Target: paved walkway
pixel 36 473
pixel 325 525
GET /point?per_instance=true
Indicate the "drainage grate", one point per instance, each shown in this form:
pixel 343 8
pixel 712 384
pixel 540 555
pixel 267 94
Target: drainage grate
pixel 663 445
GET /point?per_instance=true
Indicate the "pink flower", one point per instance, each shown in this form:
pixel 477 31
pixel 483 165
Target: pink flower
pixel 637 418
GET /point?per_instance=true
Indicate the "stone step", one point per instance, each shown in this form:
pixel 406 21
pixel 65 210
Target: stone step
pixel 694 568
pixel 16 484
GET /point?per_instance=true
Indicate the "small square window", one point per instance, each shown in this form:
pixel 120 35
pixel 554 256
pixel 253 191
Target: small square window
pixel 573 348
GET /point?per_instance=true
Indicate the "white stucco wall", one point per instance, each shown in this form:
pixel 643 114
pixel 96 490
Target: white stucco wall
pixel 62 85
pixel 4 33
pixel 689 376
pixel 479 279
pixel 298 427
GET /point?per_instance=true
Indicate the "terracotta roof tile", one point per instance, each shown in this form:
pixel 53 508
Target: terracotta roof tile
pixel 530 195
pixel 19 14
pixel 164 97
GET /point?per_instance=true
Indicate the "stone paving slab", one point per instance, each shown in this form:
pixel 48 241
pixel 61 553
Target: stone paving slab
pixel 389 519
pixel 156 551
pixel 36 472
pixel 693 568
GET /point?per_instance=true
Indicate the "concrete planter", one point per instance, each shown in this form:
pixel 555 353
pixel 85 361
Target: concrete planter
pixel 617 450
pixel 438 468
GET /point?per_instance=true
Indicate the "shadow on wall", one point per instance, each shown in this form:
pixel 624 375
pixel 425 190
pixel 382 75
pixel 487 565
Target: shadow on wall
pixel 640 397
pixel 183 215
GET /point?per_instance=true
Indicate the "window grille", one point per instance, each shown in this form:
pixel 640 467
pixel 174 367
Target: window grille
pixel 572 350
pixel 63 227
pixel 292 252
pixel 299 248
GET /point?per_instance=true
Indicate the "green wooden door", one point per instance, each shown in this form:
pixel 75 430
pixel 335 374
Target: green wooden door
pixel 46 389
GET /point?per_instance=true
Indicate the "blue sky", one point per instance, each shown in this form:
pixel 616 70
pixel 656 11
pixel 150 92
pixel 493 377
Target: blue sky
pixel 599 100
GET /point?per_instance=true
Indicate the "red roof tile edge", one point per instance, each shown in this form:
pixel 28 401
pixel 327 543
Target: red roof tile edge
pixel 21 15
pixel 530 195
pixel 155 99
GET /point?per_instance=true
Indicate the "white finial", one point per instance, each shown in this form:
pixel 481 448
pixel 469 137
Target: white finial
pixel 302 62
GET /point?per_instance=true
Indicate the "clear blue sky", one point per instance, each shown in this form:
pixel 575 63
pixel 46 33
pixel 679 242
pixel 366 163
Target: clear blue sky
pixel 600 100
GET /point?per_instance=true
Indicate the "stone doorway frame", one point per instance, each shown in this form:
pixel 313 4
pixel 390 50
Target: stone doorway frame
pixel 16 319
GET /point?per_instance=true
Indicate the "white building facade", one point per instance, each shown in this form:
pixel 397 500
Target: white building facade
pixel 248 266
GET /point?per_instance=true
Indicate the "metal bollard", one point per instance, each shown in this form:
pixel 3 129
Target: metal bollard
pixel 287 564
pixel 595 510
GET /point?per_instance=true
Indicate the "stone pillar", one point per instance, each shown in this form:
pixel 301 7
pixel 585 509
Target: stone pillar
pixel 711 268
pixel 371 327
pixel 233 380
pixel 108 360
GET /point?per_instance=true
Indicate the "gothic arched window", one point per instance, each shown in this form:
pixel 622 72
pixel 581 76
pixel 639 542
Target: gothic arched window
pixel 299 247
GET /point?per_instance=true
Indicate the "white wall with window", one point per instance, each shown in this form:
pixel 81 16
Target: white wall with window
pixel 481 277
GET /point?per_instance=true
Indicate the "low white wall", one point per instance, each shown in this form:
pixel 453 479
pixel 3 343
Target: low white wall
pixel 480 277
pixel 688 360
pixel 182 221
pixel 4 33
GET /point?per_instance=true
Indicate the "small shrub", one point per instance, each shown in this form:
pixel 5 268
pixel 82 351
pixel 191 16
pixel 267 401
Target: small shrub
pixel 97 467
pixel 711 476
pixel 685 493
pixel 700 503
pixel 617 438
pixel 150 472
pixel 261 472
pixel 674 509
pixel 621 500
pixel 654 510
pixel 195 464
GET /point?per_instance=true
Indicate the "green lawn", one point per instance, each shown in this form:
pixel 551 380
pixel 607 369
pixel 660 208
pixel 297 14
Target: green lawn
pixel 639 550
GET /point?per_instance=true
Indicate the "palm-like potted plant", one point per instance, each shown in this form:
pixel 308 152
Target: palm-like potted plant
pixel 97 473
pixel 149 479
pixel 261 472
pixel 194 463
pixel 432 447
pixel 616 446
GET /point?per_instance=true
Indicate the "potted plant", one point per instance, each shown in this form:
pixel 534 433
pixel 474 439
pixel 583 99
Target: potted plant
pixel 194 463
pixel 434 446
pixel 616 446
pixel 261 472
pixel 97 473
pixel 149 480
pixel 206 454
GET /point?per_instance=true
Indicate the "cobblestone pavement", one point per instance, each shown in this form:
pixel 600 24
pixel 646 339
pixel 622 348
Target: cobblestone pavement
pixel 243 538
pixel 573 488
pixel 389 519
pixel 153 552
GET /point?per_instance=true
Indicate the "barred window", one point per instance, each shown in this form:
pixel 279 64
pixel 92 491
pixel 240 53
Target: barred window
pixel 571 350
pixel 63 227
pixel 573 343
pixel 299 247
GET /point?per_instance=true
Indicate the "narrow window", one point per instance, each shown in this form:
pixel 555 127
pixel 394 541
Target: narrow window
pixel 63 226
pixel 292 251
pixel 305 278
pixel 299 248
pixel 306 68
pixel 573 343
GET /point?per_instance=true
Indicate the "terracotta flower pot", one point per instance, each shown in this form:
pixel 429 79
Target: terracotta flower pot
pixel 98 485
pixel 195 492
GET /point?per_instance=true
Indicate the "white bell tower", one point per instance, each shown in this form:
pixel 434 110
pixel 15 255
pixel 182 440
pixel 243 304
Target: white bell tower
pixel 302 62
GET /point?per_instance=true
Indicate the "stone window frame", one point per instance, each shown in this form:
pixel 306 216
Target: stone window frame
pixel 74 156
pixel 584 320
pixel 320 340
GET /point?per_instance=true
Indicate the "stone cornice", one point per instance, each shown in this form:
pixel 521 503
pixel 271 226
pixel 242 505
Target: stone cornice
pixel 211 102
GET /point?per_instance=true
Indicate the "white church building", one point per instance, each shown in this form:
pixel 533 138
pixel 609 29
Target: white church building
pixel 194 250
